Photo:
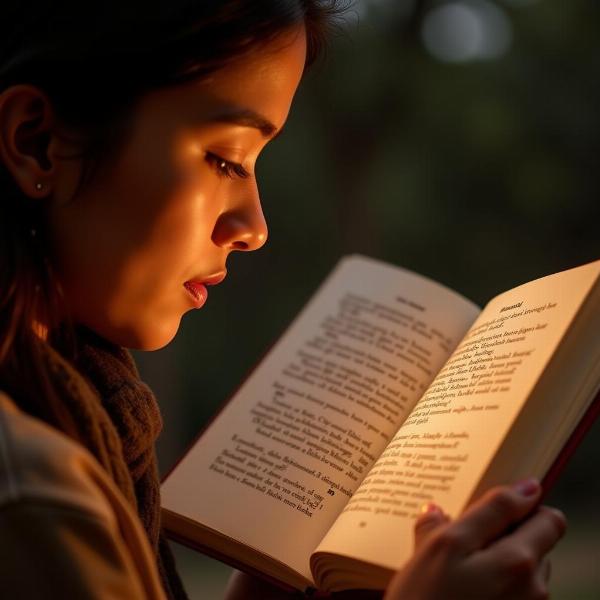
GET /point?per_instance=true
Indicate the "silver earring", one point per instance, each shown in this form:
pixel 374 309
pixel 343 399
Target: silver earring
pixel 39 186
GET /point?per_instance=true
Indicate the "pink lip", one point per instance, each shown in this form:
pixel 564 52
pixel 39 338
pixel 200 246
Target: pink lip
pixel 214 279
pixel 197 288
pixel 198 292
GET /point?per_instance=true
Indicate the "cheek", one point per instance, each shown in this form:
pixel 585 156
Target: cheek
pixel 175 246
pixel 125 251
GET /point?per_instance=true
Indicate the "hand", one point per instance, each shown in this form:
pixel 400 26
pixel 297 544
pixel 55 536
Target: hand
pixel 496 550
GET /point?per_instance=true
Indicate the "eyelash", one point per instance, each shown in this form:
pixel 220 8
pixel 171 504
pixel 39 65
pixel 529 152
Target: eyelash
pixel 225 168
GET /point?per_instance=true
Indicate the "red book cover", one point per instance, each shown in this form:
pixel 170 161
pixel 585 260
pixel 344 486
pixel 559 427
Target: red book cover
pixel 569 448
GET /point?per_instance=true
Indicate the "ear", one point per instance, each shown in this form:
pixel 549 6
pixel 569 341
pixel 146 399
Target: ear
pixel 26 132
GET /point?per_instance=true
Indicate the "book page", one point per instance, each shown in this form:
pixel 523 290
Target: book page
pixel 452 435
pixel 284 456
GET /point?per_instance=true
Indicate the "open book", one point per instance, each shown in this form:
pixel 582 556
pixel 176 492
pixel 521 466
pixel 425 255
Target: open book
pixel 386 392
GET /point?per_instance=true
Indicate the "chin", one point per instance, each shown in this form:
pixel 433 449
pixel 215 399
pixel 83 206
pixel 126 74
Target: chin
pixel 139 336
pixel 152 340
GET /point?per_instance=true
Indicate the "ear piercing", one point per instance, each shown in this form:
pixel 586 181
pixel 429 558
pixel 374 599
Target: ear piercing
pixel 39 186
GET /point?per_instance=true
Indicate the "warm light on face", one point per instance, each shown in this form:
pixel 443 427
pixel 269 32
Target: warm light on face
pixel 180 198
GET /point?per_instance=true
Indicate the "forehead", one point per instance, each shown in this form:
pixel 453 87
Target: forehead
pixel 263 81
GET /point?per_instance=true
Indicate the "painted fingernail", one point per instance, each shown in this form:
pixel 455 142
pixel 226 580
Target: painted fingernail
pixel 429 508
pixel 527 487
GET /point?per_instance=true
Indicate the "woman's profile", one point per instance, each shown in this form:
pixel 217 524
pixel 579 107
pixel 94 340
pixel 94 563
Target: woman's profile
pixel 128 143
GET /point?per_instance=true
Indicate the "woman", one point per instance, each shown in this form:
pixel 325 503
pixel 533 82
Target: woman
pixel 128 141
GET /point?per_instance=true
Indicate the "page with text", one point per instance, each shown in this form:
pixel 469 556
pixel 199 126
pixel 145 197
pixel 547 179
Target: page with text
pixel 291 447
pixel 442 449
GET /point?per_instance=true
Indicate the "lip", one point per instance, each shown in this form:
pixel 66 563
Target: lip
pixel 197 293
pixel 212 279
pixel 197 287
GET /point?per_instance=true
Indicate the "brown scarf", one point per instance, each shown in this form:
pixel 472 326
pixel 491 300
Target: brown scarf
pixel 119 421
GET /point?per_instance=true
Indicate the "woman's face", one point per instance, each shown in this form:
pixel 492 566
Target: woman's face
pixel 136 248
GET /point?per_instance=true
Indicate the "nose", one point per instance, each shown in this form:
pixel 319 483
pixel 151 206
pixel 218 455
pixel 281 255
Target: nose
pixel 241 228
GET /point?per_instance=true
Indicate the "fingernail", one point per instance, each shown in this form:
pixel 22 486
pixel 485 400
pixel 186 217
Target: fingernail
pixel 429 508
pixel 560 515
pixel 527 487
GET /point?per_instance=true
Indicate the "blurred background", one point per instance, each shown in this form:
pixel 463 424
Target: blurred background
pixel 459 139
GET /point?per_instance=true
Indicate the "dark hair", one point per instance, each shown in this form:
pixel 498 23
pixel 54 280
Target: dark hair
pixel 94 62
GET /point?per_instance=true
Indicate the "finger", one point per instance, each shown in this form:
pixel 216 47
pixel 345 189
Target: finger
pixel 532 540
pixel 519 585
pixel 541 531
pixel 497 510
pixel 545 571
pixel 539 586
pixel 430 520
pixel 518 560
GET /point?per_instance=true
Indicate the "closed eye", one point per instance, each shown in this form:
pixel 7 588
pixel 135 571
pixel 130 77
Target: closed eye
pixel 226 168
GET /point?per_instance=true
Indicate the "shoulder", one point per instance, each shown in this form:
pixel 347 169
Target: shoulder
pixel 40 463
pixel 61 512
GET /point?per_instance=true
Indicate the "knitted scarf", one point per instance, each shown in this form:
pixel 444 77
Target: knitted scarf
pixel 119 421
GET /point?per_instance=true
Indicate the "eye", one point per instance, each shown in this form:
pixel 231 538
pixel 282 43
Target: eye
pixel 226 168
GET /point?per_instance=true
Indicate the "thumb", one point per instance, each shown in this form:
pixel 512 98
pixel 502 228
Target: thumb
pixel 432 517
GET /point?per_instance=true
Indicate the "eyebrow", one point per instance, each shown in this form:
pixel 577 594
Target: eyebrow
pixel 247 118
